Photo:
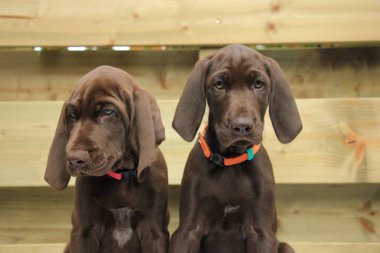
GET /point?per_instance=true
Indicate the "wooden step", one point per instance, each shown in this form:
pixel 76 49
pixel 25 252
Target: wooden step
pixel 340 142
pixel 140 23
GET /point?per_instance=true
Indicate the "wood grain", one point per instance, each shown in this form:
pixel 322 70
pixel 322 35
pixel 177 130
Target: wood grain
pixel 307 214
pixel 158 22
pixel 340 142
pixel 312 73
pixel 52 75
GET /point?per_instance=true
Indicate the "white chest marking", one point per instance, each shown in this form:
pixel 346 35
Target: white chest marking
pixel 123 231
pixel 230 209
pixel 122 235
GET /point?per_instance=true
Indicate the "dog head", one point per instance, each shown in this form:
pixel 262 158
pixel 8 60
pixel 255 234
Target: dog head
pixel 238 84
pixel 107 120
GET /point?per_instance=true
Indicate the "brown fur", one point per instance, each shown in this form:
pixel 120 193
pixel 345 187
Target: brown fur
pixel 109 122
pixel 232 209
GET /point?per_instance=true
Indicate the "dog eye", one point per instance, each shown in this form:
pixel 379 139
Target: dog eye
pixel 106 111
pixel 219 84
pixel 71 116
pixel 257 84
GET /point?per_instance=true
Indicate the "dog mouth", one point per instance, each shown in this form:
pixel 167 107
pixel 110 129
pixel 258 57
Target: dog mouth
pixel 100 165
pixel 242 143
pixel 246 142
pixel 238 141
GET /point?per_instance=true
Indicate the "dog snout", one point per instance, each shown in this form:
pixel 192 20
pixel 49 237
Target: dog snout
pixel 242 125
pixel 78 159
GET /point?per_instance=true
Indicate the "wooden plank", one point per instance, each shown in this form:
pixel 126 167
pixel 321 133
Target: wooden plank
pixel 337 247
pixel 328 213
pixel 52 75
pixel 313 73
pixel 35 215
pixel 340 142
pixel 299 247
pixel 33 248
pixel 184 23
pixel 307 213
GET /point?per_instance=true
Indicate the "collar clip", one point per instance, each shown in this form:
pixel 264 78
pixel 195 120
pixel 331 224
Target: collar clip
pixel 217 158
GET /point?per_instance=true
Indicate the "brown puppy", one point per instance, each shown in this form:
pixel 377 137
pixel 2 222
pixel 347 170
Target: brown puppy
pixel 107 136
pixel 227 202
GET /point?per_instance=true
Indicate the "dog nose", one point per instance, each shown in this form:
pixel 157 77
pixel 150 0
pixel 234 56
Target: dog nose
pixel 242 126
pixel 78 159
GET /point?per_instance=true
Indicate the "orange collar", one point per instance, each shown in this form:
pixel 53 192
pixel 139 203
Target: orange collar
pixel 220 160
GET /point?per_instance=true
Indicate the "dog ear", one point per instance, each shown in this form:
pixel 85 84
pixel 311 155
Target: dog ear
pixel 149 129
pixel 283 110
pixel 192 104
pixel 56 173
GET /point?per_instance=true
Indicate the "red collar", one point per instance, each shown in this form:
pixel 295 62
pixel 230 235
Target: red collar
pixel 127 176
pixel 220 160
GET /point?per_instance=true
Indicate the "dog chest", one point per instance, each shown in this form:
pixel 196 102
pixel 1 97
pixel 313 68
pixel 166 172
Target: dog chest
pixel 122 231
pixel 230 186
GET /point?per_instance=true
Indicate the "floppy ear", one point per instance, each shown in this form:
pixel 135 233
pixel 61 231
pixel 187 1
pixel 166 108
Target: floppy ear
pixel 283 110
pixel 149 129
pixel 56 174
pixel 191 106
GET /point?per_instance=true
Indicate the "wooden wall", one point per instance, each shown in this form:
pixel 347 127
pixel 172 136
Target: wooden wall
pixel 185 22
pixel 328 179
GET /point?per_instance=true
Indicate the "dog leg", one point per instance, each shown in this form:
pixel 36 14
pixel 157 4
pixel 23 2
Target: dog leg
pixel 85 241
pixel 259 241
pixel 152 238
pixel 251 238
pixel 152 230
pixel 195 223
pixel 187 240
pixel 67 248
pixel 283 247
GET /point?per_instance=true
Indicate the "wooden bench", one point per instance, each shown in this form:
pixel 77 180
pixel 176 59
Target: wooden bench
pixel 328 179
